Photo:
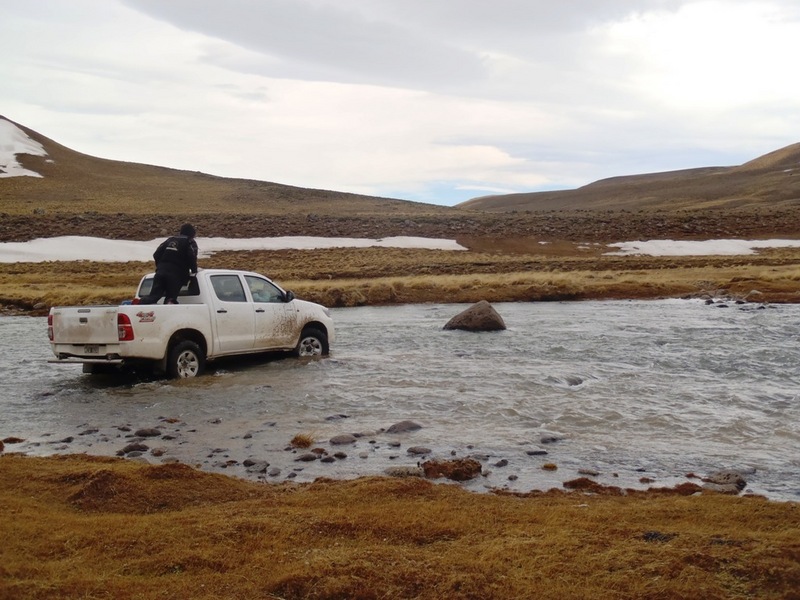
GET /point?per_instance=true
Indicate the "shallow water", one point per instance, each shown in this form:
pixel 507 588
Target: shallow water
pixel 655 389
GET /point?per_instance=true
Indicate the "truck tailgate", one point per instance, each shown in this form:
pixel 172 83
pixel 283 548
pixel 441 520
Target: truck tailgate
pixel 85 325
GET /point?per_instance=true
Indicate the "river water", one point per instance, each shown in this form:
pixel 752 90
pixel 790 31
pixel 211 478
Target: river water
pixel 629 390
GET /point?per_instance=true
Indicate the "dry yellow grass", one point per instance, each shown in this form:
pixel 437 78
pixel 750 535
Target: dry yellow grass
pixel 82 527
pixel 356 277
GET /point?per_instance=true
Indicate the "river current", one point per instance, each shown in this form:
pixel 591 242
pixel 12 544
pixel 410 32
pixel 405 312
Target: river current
pixel 639 393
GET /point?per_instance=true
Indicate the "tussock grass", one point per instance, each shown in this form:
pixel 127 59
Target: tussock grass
pixel 302 440
pixel 78 526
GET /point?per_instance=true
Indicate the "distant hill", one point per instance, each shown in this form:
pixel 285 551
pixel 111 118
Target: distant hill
pixel 770 181
pixel 74 182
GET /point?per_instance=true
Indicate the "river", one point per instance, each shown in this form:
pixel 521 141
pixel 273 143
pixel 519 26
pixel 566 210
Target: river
pixel 628 390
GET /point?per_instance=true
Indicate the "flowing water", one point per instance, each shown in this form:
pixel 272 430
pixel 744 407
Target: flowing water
pixel 629 390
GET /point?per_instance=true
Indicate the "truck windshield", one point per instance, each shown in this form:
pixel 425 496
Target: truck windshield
pixel 262 290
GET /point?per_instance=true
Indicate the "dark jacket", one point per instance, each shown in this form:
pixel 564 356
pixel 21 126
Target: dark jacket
pixel 178 256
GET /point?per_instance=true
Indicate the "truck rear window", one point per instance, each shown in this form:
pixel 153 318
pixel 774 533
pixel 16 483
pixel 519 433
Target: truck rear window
pixel 190 289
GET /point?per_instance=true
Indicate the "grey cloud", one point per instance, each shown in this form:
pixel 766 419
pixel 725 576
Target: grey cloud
pixel 440 46
pixel 325 42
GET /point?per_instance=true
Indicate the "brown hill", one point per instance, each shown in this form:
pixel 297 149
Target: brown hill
pixel 84 195
pixel 770 181
pixel 77 183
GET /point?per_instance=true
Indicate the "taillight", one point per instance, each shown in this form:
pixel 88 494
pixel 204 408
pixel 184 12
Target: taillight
pixel 50 327
pixel 124 328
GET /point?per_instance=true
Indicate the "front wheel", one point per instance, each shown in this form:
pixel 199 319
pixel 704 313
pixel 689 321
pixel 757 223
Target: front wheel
pixel 186 359
pixel 313 342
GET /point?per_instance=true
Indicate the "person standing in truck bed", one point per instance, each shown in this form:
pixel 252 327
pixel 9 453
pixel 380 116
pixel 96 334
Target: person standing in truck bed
pixel 176 262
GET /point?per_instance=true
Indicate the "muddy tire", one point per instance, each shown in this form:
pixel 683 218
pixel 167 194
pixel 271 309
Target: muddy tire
pixel 185 360
pixel 313 342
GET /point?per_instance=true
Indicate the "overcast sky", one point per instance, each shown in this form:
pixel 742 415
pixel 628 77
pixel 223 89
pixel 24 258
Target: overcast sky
pixel 436 101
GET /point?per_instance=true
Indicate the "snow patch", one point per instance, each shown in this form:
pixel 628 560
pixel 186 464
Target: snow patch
pixel 67 248
pixel 14 141
pixel 698 248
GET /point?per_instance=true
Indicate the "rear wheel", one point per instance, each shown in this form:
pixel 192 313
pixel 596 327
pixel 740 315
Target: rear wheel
pixel 313 342
pixel 185 360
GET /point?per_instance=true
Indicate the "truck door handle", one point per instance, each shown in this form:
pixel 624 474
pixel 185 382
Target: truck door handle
pixel 222 310
pixel 260 310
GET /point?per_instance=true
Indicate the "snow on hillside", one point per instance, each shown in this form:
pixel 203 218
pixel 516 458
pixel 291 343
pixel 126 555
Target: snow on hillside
pixel 14 141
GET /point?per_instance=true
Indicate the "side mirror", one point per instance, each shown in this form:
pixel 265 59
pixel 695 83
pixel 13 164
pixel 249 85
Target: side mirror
pixel 289 296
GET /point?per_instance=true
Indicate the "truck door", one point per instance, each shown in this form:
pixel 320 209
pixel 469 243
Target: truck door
pixel 235 322
pixel 275 319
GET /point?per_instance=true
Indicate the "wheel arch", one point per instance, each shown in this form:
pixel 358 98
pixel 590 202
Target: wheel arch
pixel 176 338
pixel 315 325
pixel 189 334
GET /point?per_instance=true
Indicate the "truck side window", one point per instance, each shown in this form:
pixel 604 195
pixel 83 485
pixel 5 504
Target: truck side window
pixel 262 290
pixel 228 288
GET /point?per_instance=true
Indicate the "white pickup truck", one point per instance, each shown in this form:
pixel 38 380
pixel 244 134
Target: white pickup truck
pixel 220 313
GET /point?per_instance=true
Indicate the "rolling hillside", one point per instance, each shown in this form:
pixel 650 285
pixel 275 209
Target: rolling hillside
pixel 770 181
pixel 72 182
pixel 84 195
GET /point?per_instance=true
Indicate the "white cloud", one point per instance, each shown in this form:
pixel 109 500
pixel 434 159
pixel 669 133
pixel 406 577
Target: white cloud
pixel 415 99
pixel 713 55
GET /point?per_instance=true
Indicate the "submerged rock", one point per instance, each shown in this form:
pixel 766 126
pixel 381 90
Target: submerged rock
pixel 478 317
pixel 135 447
pixel 148 432
pixel 345 438
pixel 404 427
pixel 256 466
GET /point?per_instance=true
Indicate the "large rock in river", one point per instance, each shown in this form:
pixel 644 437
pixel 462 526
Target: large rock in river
pixel 478 317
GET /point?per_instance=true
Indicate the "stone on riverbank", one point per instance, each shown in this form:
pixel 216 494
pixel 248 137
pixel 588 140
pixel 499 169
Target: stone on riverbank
pixel 461 469
pixel 405 472
pixel 725 482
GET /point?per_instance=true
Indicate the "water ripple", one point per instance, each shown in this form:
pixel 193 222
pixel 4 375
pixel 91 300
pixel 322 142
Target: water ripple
pixel 671 385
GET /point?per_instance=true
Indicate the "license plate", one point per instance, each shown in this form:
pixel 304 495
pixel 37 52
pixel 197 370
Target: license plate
pixel 91 349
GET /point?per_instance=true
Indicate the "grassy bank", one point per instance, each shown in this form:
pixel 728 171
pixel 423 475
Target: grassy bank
pixel 81 527
pixel 355 277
